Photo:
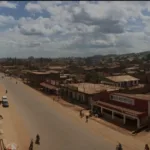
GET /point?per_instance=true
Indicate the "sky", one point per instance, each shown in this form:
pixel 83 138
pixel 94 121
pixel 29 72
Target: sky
pixel 73 28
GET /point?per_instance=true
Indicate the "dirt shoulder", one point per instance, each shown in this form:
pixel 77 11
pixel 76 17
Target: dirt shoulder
pixel 13 126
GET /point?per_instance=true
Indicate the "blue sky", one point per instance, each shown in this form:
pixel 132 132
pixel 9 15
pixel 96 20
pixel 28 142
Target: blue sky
pixel 81 28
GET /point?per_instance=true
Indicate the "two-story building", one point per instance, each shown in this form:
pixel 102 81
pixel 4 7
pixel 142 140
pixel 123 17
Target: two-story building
pixel 52 84
pixel 34 78
pixel 122 81
pixel 126 107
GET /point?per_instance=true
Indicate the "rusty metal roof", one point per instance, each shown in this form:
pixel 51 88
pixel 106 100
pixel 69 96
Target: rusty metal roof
pixel 49 86
pixel 120 109
pixel 90 88
pixel 122 78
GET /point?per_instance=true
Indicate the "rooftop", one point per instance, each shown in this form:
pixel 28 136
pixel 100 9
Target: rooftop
pixel 113 66
pixel 122 78
pixel 9 66
pixel 90 88
pixel 137 96
pixel 121 109
pixel 132 68
pixel 57 67
pixel 39 73
pixel 43 73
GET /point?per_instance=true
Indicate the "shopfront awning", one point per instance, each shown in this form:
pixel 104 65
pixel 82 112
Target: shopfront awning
pixel 49 86
pixel 120 109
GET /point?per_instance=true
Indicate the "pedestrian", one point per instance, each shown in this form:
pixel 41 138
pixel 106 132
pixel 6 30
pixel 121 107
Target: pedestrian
pixel 37 141
pixel 81 113
pixel 146 147
pixel 119 147
pixel 87 117
pixel 31 145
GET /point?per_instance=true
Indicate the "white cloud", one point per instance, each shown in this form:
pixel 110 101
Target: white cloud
pixel 32 7
pixel 8 4
pixel 78 28
pixel 6 20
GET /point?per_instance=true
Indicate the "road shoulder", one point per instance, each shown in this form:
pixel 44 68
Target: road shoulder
pixel 13 126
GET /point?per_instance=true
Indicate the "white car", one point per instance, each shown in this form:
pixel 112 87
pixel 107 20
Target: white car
pixel 5 101
pixel 4 98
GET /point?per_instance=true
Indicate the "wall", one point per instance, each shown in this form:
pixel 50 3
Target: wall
pixel 101 96
pixel 140 90
pixel 36 79
pixel 54 76
pixel 140 105
pixel 148 108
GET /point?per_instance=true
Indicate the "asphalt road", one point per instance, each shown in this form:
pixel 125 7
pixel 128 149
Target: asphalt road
pixel 58 128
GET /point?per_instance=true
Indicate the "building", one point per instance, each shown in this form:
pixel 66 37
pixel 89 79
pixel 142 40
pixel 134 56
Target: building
pixel 5 69
pixel 34 78
pixel 52 84
pixel 57 68
pixel 123 81
pixel 127 108
pixel 83 93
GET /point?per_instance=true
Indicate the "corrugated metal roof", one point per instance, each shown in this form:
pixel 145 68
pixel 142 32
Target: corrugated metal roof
pixel 90 88
pixel 122 78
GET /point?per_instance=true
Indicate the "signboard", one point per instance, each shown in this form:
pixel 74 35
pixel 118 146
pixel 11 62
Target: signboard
pixel 122 99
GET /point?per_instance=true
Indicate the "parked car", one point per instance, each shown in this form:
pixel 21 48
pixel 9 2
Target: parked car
pixel 4 98
pixel 5 104
pixel 5 101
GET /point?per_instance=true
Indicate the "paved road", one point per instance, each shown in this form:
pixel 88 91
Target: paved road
pixel 59 129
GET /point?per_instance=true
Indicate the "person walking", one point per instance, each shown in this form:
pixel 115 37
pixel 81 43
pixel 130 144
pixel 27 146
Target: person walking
pixel 31 145
pixel 87 117
pixel 37 141
pixel 119 147
pixel 81 113
pixel 146 147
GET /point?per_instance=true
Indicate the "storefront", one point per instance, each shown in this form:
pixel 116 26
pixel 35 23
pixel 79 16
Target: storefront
pixel 124 107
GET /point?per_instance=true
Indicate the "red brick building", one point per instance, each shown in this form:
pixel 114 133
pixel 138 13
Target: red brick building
pixel 125 106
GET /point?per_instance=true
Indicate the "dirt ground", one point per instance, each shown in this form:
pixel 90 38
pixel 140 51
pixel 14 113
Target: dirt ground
pixel 13 127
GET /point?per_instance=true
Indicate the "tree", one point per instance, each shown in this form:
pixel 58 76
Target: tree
pixel 92 77
pixel 148 57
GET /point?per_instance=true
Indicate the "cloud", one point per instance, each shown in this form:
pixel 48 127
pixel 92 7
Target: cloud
pixel 6 20
pixel 8 4
pixel 32 7
pixel 80 28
